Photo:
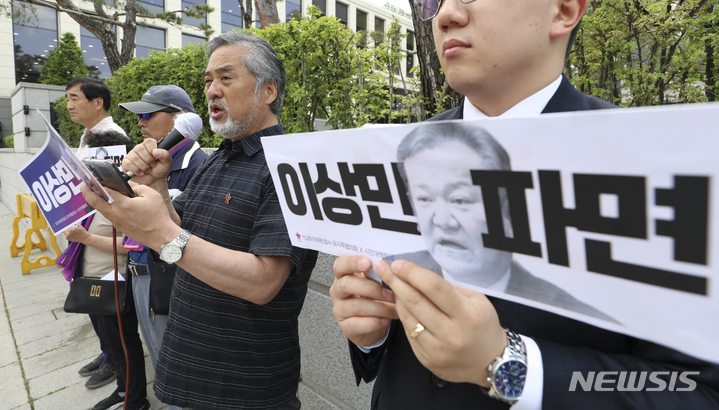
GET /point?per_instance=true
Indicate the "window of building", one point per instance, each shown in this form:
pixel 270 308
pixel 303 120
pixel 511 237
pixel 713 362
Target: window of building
pixel 361 28
pixel 410 47
pixel 95 60
pixel 361 21
pixel 378 24
pixel 33 43
pixel 341 12
pixel 322 5
pixel 153 6
pixel 293 10
pixel 231 16
pixel 148 39
pixel 192 21
pixel 188 39
pixel 378 34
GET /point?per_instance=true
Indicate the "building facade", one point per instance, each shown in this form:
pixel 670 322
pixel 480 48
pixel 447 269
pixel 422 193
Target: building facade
pixel 30 44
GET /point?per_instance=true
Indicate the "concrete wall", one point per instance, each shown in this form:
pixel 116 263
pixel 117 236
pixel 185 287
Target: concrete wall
pixel 328 381
pixel 327 378
pixel 11 184
pixel 36 97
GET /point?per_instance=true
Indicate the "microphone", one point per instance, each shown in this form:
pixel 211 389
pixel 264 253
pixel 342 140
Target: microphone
pixel 187 125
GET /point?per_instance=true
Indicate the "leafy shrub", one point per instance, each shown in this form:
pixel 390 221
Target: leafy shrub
pixel 184 67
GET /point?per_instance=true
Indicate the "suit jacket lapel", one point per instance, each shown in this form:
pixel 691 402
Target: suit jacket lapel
pixel 567 98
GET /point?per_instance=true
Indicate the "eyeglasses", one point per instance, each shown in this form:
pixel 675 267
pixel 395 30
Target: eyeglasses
pixel 149 114
pixel 428 9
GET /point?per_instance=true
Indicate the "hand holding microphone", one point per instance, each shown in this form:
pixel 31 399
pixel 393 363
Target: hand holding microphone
pixel 187 125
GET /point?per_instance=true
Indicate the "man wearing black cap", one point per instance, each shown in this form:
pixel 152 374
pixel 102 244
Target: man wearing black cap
pixel 156 113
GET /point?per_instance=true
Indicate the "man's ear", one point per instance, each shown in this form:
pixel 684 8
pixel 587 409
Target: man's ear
pixel 569 13
pixel 99 103
pixel 269 93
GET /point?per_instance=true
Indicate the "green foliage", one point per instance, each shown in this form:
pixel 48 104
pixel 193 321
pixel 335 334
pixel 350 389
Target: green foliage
pixel 9 141
pixel 184 67
pixel 330 74
pixel 637 53
pixel 64 62
pixel 70 131
pixel 197 11
pixel 388 57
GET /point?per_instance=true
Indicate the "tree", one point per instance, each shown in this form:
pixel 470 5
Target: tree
pixel 321 59
pixel 647 53
pixel 64 63
pixel 331 76
pixel 267 12
pixel 402 105
pixel 438 95
pixel 102 24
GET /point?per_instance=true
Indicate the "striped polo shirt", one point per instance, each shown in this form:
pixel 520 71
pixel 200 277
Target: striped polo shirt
pixel 220 351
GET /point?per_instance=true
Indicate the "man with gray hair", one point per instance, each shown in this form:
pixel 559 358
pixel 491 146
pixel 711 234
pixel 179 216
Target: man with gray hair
pixel 231 340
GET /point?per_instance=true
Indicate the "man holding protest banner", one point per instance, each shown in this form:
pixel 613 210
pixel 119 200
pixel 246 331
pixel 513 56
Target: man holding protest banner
pixel 458 349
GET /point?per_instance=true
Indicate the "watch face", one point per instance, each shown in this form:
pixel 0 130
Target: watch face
pixel 509 378
pixel 171 253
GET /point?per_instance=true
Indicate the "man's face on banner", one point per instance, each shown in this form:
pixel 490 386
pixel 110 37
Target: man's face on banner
pixel 450 213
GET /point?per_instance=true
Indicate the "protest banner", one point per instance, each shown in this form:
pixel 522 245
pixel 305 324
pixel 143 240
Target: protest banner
pixel 605 216
pixel 54 176
pixel 115 153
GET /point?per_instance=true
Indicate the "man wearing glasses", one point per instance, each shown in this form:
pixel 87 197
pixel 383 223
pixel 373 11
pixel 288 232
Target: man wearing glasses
pixel 156 113
pixel 453 348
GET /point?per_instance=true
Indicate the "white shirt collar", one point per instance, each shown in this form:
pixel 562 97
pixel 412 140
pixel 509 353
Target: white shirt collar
pixel 529 107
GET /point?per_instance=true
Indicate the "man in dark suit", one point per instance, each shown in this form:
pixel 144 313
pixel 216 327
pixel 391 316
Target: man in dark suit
pixel 435 160
pixel 453 348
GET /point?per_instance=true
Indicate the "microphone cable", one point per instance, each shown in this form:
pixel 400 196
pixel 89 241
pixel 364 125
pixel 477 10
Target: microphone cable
pixel 119 318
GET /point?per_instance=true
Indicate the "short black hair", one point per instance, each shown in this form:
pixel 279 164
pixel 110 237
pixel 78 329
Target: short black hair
pixel 107 138
pixel 92 89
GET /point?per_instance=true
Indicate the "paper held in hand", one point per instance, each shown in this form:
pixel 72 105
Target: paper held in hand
pixel 607 217
pixel 54 176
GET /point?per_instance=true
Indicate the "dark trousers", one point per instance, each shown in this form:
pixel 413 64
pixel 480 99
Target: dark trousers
pixel 111 331
pixel 106 353
pixel 293 404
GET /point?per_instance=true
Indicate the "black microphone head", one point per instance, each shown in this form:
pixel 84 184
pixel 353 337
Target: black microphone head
pixel 189 124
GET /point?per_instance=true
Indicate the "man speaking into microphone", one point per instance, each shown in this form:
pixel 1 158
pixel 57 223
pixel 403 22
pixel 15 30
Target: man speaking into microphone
pixel 163 111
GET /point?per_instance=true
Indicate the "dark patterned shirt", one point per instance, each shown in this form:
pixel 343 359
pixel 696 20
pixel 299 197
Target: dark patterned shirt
pixel 220 351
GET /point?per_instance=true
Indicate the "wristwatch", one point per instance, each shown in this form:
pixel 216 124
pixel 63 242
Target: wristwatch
pixel 172 252
pixel 508 372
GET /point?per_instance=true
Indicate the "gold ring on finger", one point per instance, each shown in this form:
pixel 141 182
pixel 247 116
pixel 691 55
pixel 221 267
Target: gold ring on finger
pixel 416 331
